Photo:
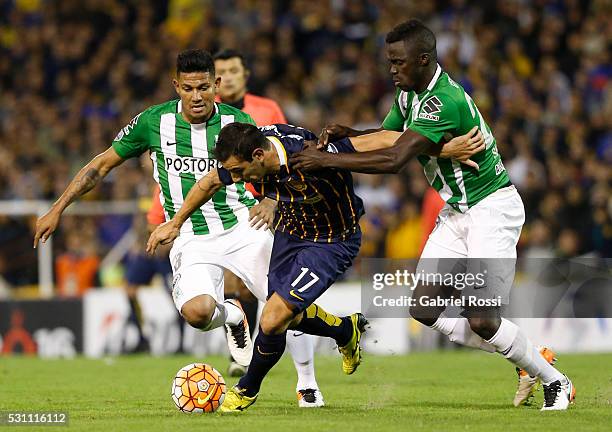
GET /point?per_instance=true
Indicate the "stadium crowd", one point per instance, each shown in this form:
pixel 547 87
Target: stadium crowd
pixel 74 72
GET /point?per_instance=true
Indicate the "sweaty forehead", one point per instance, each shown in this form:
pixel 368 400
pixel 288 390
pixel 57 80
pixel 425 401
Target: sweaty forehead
pixel 396 50
pixel 195 79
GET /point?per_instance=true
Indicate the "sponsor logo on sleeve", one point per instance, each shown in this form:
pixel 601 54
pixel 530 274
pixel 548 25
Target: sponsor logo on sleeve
pixel 431 106
pixel 128 128
pixel 331 148
pixel 269 128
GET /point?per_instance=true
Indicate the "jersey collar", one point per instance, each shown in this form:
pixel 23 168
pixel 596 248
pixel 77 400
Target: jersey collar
pixel 280 150
pixel 435 78
pixel 214 118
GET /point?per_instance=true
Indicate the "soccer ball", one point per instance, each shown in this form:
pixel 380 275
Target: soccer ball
pixel 198 388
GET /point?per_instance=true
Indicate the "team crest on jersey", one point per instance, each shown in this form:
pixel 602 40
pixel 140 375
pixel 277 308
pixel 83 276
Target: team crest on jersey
pixel 297 185
pixel 313 199
pixel 430 107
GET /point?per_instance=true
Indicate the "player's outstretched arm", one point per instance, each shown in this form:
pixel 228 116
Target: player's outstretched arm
pixel 460 148
pixel 334 132
pixel 375 141
pixel 199 194
pixel 383 161
pixel 85 180
pixel 386 152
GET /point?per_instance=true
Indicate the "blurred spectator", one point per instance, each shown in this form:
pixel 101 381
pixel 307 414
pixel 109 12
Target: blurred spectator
pixel 432 204
pixel 17 258
pixel 404 236
pixel 539 70
pixel 76 269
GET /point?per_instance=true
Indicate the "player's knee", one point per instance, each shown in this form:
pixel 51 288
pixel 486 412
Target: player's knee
pixel 199 311
pixel 271 324
pixel 276 317
pixel 484 327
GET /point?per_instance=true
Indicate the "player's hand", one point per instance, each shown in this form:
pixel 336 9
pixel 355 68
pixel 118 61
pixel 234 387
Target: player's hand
pixel 463 147
pixel 332 132
pixel 163 234
pixel 46 225
pixel 262 214
pixel 309 159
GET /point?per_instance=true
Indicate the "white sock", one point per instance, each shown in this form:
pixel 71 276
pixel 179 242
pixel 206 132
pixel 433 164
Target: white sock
pixel 512 343
pixel 458 330
pixel 301 347
pixel 225 313
pixel 218 318
pixel 234 314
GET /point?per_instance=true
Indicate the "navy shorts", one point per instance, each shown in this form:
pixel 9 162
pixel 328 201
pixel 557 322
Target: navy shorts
pixel 301 270
pixel 140 268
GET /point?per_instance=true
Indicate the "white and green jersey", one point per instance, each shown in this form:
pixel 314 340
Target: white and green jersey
pixel 444 110
pixel 182 153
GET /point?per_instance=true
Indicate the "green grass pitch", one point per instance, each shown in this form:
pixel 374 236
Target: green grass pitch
pixel 458 390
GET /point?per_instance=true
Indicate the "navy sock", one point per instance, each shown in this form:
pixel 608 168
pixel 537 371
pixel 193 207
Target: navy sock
pixel 316 321
pixel 267 351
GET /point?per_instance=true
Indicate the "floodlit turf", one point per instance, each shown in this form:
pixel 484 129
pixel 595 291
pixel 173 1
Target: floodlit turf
pixel 434 391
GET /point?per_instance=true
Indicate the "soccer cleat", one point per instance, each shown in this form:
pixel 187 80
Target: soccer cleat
pixel 235 401
pixel 527 385
pixel 310 398
pixel 235 370
pixel 351 352
pixel 238 337
pixel 558 395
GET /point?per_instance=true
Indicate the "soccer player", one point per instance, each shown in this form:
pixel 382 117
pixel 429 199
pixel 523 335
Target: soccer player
pixel 316 238
pixel 483 215
pixel 180 137
pixel 230 66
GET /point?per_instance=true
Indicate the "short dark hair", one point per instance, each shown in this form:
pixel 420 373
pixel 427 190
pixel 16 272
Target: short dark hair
pixel 415 32
pixel 229 53
pixel 195 60
pixel 240 140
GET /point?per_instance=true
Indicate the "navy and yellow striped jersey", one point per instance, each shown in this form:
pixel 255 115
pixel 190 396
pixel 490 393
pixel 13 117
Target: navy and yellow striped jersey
pixel 320 206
